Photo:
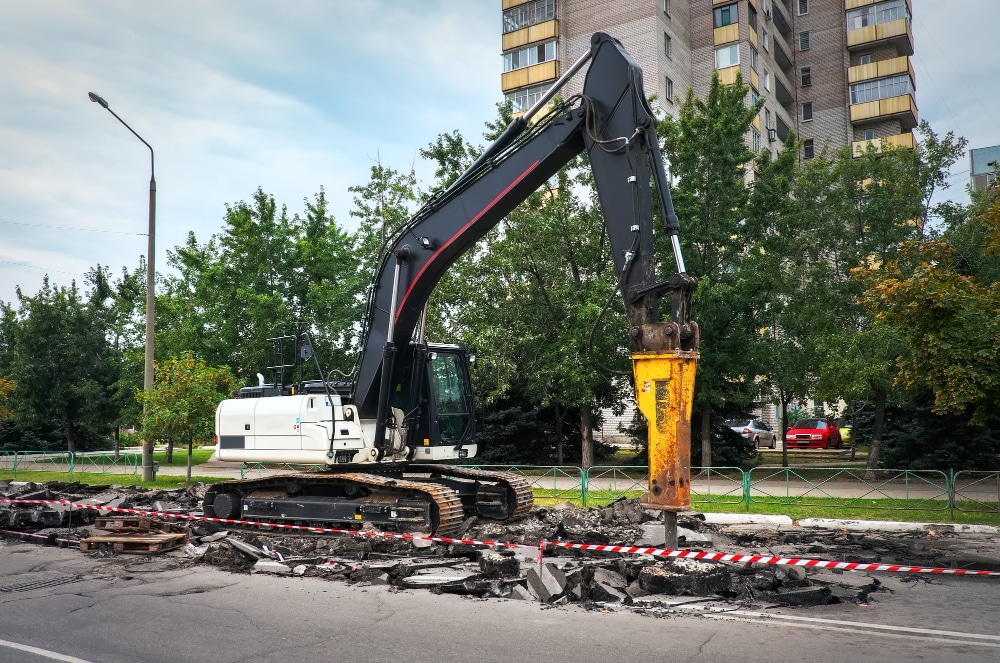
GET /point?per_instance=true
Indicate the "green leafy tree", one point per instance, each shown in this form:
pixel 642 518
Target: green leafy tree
pixel 181 407
pixel 63 366
pixel 709 157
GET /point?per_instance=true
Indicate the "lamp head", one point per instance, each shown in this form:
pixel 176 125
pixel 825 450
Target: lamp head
pixel 98 98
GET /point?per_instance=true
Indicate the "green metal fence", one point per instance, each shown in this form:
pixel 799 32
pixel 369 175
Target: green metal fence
pixel 718 485
pixel 976 491
pixel 928 490
pixel 72 463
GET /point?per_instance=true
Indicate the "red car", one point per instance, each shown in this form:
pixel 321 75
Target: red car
pixel 813 434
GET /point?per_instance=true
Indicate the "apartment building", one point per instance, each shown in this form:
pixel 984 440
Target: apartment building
pixel 837 72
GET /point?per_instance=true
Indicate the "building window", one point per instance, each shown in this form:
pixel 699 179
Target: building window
pixel 726 15
pixel 525 98
pixel 765 39
pixel 807 111
pixel 866 58
pixel 869 134
pixel 767 80
pixel 753 58
pixel 528 14
pixel 755 139
pixel 805 76
pixel 767 118
pixel 727 56
pixel 882 12
pixel 670 90
pixel 752 17
pixel 883 88
pixel 525 57
pixel 803 7
pixel 666 7
pixel 808 151
pixel 666 44
pixel 754 96
pixel 804 41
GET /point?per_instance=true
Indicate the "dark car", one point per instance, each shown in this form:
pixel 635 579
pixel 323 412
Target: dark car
pixel 815 433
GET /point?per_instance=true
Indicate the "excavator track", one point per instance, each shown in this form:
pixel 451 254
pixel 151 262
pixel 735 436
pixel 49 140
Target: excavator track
pixel 446 512
pixel 515 504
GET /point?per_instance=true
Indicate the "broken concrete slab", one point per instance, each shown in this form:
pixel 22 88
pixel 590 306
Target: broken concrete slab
pixel 747 519
pixel 653 535
pixel 270 566
pixel 546 582
pixel 520 593
pixel 245 547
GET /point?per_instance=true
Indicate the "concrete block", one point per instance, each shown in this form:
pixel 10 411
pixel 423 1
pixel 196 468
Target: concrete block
pixel 520 593
pixel 495 565
pixel 657 580
pixel 804 596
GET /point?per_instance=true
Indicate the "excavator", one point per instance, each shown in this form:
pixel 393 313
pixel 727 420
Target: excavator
pixel 381 445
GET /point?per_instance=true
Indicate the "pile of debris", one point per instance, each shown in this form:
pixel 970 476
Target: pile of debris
pixel 588 578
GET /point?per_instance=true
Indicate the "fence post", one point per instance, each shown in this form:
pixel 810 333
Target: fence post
pixel 950 489
pixel 746 489
pixel 584 485
pixel 72 463
pixel 15 464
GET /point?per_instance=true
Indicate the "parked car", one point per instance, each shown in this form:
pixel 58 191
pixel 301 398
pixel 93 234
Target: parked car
pixel 815 433
pixel 754 430
pixel 845 430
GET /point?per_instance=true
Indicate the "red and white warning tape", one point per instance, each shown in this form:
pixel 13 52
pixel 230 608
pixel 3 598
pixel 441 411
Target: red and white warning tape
pixel 765 559
pixel 629 550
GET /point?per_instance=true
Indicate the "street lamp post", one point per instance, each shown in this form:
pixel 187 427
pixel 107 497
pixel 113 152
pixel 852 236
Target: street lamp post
pixel 147 382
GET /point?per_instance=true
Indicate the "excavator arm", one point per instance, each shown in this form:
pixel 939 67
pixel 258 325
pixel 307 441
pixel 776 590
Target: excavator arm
pixel 614 124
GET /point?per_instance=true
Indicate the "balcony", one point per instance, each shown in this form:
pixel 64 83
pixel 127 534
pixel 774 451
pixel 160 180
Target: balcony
pixel 726 34
pixel 880 69
pixel 780 21
pixel 903 108
pixel 859 147
pixel 530 34
pixel 781 129
pixel 782 58
pixel 784 96
pixel 896 33
pixel 727 75
pixel 533 75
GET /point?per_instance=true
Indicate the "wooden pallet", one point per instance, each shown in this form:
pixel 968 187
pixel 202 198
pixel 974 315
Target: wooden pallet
pixel 137 542
pixel 138 524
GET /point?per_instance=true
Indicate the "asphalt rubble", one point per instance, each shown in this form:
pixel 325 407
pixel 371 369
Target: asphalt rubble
pixel 597 580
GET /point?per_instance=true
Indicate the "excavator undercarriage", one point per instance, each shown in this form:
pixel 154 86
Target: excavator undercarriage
pixel 430 498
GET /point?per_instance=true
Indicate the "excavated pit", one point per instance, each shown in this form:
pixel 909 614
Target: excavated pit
pixel 593 579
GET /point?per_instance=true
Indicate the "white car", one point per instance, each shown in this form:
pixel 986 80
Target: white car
pixel 754 430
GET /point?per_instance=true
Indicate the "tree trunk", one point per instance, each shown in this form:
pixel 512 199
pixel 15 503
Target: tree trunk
pixel 118 430
pixel 70 439
pixel 170 452
pixel 876 442
pixel 560 415
pixel 706 435
pixel 586 438
pixel 190 445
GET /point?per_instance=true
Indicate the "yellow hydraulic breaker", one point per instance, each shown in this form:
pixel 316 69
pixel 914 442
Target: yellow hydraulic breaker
pixel 664 387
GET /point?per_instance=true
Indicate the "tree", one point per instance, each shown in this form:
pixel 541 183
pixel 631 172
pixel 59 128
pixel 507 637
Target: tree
pixel 63 366
pixel 708 154
pixel 946 315
pixel 182 405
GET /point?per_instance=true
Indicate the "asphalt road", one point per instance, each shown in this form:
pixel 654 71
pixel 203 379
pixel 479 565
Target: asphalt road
pixel 61 604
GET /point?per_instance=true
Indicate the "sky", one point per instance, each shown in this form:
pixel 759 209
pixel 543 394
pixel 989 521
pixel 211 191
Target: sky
pixel 290 97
